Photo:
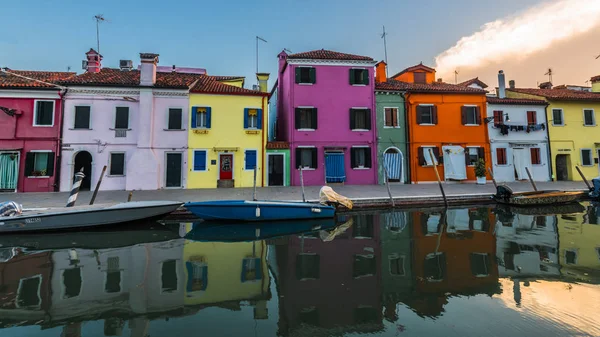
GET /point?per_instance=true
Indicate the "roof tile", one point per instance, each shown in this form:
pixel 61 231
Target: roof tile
pixel 210 85
pixel 515 101
pixel 435 87
pixel 323 54
pixel 559 94
pixel 131 78
pixel 475 80
pixel 10 81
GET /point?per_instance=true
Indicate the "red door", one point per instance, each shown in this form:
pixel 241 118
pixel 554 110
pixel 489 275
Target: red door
pixel 226 168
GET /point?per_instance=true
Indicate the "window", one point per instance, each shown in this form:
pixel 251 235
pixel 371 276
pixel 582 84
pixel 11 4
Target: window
pixel 363 227
pixel 470 115
pixel 364 265
pixel 175 119
pixel 72 282
pixel 113 275
pixel 397 265
pixel 360 157
pixel 117 164
pixel 531 118
pixel 308 266
pixel 434 267
pixel 201 117
pixel 306 118
pixel 557 117
pixel 28 292
pixel 390 117
pixel 306 157
pixel 82 117
pixel 586 157
pixel 197 276
pixel 498 117
pixel 480 264
pixel 425 158
pixel 420 77
pixel 252 118
pixel 359 77
pixel 589 119
pixel 536 158
pixel 427 114
pixel 571 257
pixel 360 119
pixel 169 276
pixel 122 118
pixel 200 160
pixel 44 113
pixel 501 158
pixel 250 159
pixel 473 154
pixel 251 269
pixel 306 75
pixel 540 221
pixel 39 164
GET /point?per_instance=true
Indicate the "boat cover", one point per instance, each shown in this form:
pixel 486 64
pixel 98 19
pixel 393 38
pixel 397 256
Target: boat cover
pixel 10 208
pixel 595 192
pixel 326 194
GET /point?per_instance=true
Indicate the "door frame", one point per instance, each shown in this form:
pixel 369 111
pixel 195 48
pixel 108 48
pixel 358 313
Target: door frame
pixel 567 157
pixel 284 168
pixel 402 165
pixel 232 164
pixel 165 171
pixel 18 152
pixel 73 172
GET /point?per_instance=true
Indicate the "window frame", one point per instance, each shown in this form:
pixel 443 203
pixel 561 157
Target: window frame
pixel 501 113
pixel 164 290
pixel 475 108
pixel 400 258
pixel 505 149
pixel 562 117
pixel 534 115
pixel 365 110
pixel 468 148
pixel 591 157
pixel 308 168
pixel 435 161
pixel 34 158
pixel 310 82
pixel 258 111
pixel 17 305
pixel 539 155
pixel 35 112
pixel 397 126
pixel 205 112
pixel 593 117
pixel 75 117
pixel 312 111
pixel 205 160
pixel 353 75
pixel 181 121
pixel 110 164
pixel 431 108
pixel 366 148
pixel 256 159
pixel 128 118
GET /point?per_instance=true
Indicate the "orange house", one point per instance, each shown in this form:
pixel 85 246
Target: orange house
pixel 445 120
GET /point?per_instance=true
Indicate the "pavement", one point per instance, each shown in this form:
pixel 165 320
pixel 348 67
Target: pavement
pixel 363 195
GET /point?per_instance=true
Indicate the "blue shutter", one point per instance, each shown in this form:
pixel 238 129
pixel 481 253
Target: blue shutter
pixel 250 159
pixel 259 119
pixel 193 126
pixel 245 118
pixel 199 160
pixel 208 118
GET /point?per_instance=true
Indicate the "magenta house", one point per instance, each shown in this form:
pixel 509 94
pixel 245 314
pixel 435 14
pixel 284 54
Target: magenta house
pixel 326 112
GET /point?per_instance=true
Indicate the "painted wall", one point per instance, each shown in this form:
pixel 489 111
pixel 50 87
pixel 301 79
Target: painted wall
pixel 226 132
pixel 596 87
pixel 448 131
pixel 272 113
pixel 18 133
pixel 286 163
pixel 519 139
pixel 409 76
pixel 391 136
pixel 579 236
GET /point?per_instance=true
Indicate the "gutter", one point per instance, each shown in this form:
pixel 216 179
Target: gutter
pixel 57 168
pixel 264 134
pixel 407 140
pixel 549 144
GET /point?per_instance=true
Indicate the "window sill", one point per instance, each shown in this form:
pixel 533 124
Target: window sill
pixel 361 168
pixel 42 126
pixel 589 125
pixel 301 130
pixel 471 124
pixel 174 129
pixel 80 129
pixel 428 124
pixel 361 130
pixel 392 127
pixel 120 129
pixel 305 83
pixel 308 169
pixel 199 170
pixel 503 165
pixel 557 125
pixel 438 165
pixel 115 175
pixel 359 85
pixel 38 177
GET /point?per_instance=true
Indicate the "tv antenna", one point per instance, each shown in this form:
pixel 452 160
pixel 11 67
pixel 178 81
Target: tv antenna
pixel 597 57
pixel 456 76
pixel 99 19
pixel 549 74
pixel 263 40
pixel 383 36
pixel 287 50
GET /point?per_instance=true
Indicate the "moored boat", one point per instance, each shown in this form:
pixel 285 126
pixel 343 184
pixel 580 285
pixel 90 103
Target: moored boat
pixel 505 195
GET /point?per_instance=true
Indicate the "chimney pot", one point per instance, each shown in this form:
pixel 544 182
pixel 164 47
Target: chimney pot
pixel 262 78
pixel 439 80
pixel 545 85
pixel 148 69
pixel 381 72
pixel 501 85
pixel 93 61
pixel 511 84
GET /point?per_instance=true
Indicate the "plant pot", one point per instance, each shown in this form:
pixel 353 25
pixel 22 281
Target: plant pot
pixel 480 180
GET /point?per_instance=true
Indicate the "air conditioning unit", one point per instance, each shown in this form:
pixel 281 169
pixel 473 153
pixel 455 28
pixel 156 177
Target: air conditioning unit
pixel 84 65
pixel 125 64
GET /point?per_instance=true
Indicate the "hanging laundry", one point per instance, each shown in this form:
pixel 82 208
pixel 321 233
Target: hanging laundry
pixel 504 130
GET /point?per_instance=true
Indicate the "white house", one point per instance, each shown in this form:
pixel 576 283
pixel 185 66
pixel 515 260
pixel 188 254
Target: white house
pixel 518 133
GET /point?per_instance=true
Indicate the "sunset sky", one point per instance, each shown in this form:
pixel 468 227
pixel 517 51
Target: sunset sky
pixel 220 36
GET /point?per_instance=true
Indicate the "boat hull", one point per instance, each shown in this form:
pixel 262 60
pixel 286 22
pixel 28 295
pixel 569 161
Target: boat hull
pixel 242 210
pixel 540 199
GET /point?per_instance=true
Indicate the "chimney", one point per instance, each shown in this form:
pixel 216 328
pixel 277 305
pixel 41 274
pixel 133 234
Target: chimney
pixel 545 85
pixel 282 60
pixel 148 69
pixel 501 85
pixel 381 72
pixel 263 78
pixel 92 64
pixel 440 80
pixel 511 84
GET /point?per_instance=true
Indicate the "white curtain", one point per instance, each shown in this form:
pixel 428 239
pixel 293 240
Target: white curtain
pixel 458 219
pixel 454 163
pixel 521 161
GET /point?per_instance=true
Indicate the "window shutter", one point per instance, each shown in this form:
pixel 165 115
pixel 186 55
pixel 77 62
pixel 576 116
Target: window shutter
pixel 250 159
pixel 419 115
pixel 394 117
pixel 421 157
pixel 463 115
pixel 352 76
pixel 353 157
pixel 478 116
pixel 436 153
pixel 122 118
pixel 246 117
pixel 259 116
pixel 467 157
pixel 368 118
pixel 368 157
pixel 50 165
pixel 314 158
pixel 298 72
pixel 193 126
pixel 297 119
pixel 352 119
pixel 387 113
pixel 365 77
pixel 314 118
pixel 208 114
pixel 532 153
pixel 199 160
pixel 312 73
pixel 481 153
pixel 29 163
pixel 298 157
pixel 434 115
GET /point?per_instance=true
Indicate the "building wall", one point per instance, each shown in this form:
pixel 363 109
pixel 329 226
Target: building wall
pixel 226 134
pixel 448 131
pixel 596 87
pixel 578 235
pixel 273 105
pixel 391 136
pixel 409 76
pixel 286 163
pixel 518 116
pixel 18 133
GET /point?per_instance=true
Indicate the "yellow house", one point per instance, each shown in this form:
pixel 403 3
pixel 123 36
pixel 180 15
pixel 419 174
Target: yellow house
pixel 579 246
pixel 226 137
pixel 572 129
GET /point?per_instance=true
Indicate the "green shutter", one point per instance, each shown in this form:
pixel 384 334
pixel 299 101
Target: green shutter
pixel 352 77
pixel 312 75
pixel 365 77
pixel 298 74
pixel 50 165
pixel 29 162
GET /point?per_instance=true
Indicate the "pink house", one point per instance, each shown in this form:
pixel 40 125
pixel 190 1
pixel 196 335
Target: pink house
pixel 30 126
pixel 326 111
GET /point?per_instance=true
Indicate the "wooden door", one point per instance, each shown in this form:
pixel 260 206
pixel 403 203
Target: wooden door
pixel 276 169
pixel 173 168
pixel 226 167
pixel 562 169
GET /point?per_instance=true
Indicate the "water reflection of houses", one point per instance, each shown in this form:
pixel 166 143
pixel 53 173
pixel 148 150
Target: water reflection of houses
pixel 331 287
pixel 460 261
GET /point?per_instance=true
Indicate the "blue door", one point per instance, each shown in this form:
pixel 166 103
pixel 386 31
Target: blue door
pixel 392 160
pixel 334 167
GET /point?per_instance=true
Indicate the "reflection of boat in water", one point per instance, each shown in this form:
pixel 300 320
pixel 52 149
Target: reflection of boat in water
pixel 504 195
pixel 569 208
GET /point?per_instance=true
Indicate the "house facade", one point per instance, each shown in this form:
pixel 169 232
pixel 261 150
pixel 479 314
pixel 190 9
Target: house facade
pixel 445 125
pixel 133 122
pixel 325 111
pixel 226 140
pixel 392 148
pixel 30 123
pixel 572 128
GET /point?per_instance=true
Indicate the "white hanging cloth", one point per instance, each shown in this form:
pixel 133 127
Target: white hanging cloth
pixel 521 161
pixel 454 162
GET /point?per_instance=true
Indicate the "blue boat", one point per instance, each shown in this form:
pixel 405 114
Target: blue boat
pixel 245 210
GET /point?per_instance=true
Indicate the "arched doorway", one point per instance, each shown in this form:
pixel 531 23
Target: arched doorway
pixel 84 159
pixel 392 159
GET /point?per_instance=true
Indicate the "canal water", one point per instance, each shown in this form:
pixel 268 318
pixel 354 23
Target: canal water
pixel 479 271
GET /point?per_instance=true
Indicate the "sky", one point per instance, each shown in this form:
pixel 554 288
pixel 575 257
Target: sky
pixel 220 35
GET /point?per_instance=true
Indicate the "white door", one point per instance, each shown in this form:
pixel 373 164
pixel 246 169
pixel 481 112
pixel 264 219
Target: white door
pixel 521 160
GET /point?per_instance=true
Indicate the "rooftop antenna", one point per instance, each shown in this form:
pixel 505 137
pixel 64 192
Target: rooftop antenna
pixel 263 40
pixel 549 74
pixel 597 57
pixel 68 68
pixel 287 50
pixel 383 36
pixel 455 76
pixel 99 18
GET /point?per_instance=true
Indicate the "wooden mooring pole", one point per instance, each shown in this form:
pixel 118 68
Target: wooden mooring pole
pixel 437 175
pixel 98 185
pixel 130 196
pixel 75 189
pixel 587 183
pixel 302 183
pixel 254 193
pixel 387 184
pixel 531 179
pixel 492 175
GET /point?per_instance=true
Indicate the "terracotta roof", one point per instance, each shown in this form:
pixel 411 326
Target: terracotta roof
pixel 228 78
pixel 328 55
pixel 210 85
pixel 566 86
pixel 559 94
pixel 131 78
pixel 9 81
pixel 277 145
pixel 595 78
pixel 419 66
pixel 395 85
pixel 515 101
pixel 475 80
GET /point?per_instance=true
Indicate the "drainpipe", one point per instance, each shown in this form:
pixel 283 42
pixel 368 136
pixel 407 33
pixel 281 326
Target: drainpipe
pixel 407 142
pixel 548 144
pixel 57 167
pixel 264 133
